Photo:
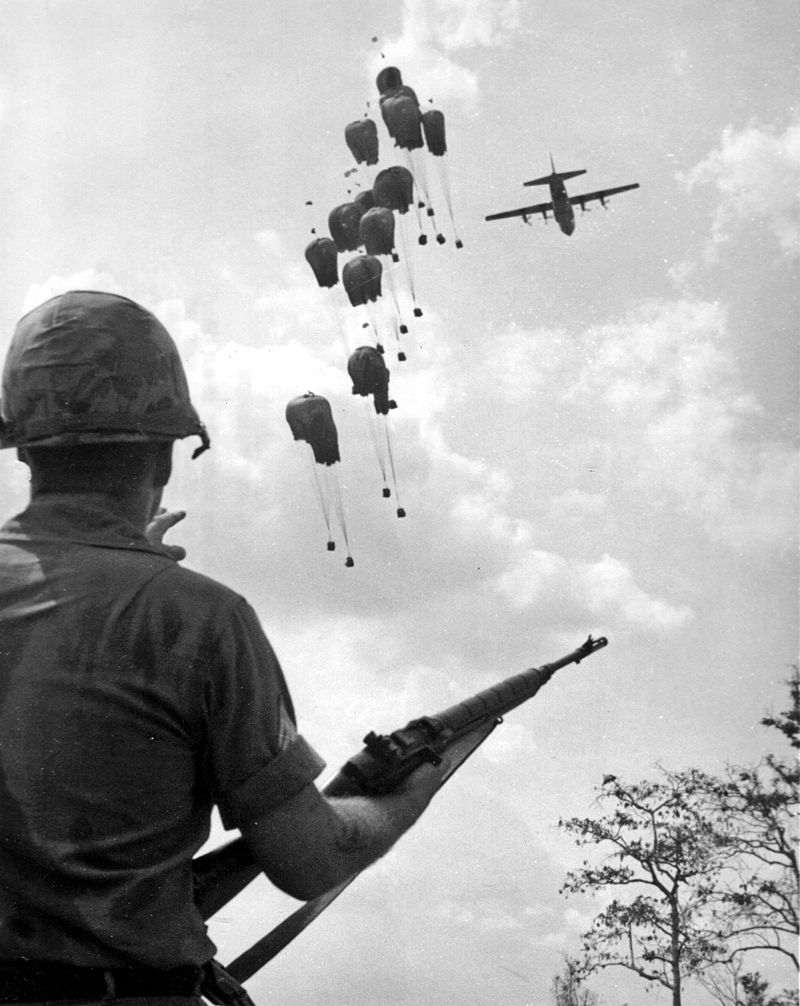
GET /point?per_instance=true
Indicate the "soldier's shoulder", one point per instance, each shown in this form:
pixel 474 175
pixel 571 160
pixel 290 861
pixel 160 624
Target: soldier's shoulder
pixel 196 589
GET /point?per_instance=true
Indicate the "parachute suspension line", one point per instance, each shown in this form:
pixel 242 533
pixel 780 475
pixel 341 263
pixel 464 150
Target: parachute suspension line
pixel 342 325
pixel 416 165
pixel 420 173
pixel 373 310
pixel 398 329
pixel 409 266
pixel 400 511
pixel 397 322
pixel 444 178
pixel 372 421
pixel 415 202
pixel 336 495
pixel 345 313
pixel 388 272
pixel 322 492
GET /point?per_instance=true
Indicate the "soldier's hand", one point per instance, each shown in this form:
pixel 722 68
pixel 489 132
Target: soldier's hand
pixel 418 788
pixel 158 527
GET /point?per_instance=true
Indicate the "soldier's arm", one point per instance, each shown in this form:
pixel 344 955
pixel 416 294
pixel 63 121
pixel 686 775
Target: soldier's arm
pixel 310 843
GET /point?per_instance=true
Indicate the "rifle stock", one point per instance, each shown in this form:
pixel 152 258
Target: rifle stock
pixel 384 762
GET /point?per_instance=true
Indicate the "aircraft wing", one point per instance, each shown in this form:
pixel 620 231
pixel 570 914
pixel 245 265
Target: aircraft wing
pixel 601 194
pixel 525 211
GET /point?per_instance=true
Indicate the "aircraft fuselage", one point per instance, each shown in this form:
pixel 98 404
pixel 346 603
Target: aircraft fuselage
pixel 562 207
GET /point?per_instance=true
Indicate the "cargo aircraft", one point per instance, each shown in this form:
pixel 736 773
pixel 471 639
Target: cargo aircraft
pixel 561 205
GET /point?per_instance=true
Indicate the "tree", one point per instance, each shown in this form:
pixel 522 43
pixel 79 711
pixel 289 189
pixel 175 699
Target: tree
pixel 731 985
pixel 668 855
pixel 788 722
pixel 569 989
pixel 710 864
pixel 723 982
pixel 756 808
pixel 754 989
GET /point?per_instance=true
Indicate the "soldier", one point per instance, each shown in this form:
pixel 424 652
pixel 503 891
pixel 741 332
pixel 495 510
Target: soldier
pixel 135 695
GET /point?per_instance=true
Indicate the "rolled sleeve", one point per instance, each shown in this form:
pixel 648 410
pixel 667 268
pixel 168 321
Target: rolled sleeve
pixel 257 758
pixel 292 770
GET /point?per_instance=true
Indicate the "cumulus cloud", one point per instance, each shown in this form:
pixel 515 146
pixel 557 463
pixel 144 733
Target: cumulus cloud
pixel 756 175
pixel 85 279
pixel 572 924
pixel 464 24
pixel 548 582
pixel 646 417
pixel 432 35
pixel 660 392
pixel 681 420
pixel 513 745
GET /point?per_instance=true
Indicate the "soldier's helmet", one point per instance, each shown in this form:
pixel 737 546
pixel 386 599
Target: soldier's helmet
pixel 88 367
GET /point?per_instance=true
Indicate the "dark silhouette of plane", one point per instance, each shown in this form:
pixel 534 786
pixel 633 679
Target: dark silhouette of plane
pixel 561 205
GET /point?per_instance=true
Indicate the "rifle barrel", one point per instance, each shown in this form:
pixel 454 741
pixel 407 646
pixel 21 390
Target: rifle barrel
pixel 506 695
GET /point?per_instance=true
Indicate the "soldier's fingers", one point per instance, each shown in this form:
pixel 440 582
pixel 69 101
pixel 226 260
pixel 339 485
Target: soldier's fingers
pixel 163 521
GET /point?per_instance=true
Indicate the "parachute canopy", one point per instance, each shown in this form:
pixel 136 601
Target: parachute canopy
pixel 377 231
pixel 394 188
pixel 400 111
pixel 321 255
pixel 370 376
pixel 362 139
pixel 364 200
pixel 343 224
pixel 361 277
pixel 309 417
pixel 388 79
pixel 433 127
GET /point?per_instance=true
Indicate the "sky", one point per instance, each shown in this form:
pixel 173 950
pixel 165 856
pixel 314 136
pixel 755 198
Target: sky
pixel 593 434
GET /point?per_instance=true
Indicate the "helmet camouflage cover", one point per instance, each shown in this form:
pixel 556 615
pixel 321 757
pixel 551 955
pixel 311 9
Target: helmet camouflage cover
pixel 89 367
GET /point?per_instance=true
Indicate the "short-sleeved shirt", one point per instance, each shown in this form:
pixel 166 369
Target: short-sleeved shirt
pixel 135 695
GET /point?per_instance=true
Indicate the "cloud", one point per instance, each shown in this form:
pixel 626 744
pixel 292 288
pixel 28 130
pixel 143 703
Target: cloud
pixel 431 36
pixel 682 427
pixel 270 242
pixel 654 399
pixel 756 174
pixel 550 584
pixel 645 418
pixel 85 279
pixel 511 746
pixel 570 927
pixel 464 24
pixel 679 61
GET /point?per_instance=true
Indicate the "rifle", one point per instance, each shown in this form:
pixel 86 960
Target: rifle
pixel 446 739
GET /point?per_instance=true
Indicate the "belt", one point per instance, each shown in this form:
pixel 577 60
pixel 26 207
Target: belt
pixel 23 981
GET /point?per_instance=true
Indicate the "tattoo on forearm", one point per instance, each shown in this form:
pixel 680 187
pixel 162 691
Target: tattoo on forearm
pixel 360 828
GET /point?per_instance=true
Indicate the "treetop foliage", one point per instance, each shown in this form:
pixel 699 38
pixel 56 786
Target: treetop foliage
pixel 703 869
